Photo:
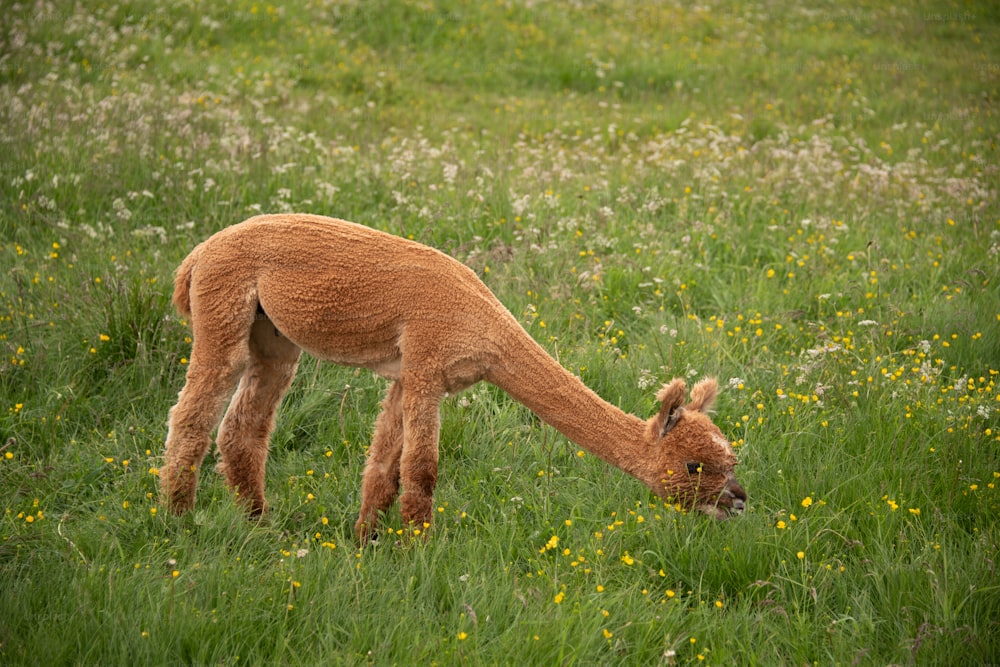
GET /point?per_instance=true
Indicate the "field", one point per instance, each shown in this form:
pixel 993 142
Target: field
pixel 801 201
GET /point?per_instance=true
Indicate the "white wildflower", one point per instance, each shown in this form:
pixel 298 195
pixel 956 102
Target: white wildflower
pixel 646 379
pixel 121 210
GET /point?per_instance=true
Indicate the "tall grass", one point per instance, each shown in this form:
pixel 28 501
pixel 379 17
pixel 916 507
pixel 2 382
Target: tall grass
pixel 801 202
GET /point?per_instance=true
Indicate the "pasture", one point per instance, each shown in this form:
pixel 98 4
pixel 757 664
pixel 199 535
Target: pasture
pixel 800 201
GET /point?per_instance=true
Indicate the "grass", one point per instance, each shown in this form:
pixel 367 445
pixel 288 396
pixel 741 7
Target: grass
pixel 801 202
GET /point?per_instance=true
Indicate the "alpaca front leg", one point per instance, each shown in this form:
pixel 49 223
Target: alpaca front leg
pixel 419 461
pixel 380 484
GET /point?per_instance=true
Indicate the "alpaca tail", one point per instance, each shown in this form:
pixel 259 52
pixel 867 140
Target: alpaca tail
pixel 182 282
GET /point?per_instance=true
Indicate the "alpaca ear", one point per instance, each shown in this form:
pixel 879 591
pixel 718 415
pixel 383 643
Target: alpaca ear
pixel 703 395
pixel 671 399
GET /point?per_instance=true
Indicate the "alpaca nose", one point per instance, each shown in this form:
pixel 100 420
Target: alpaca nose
pixel 739 496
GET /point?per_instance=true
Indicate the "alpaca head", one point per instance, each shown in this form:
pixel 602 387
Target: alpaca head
pixel 694 462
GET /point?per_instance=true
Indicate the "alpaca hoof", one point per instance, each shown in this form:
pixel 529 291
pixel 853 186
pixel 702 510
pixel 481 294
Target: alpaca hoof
pixel 364 534
pixel 256 506
pixel 178 502
pixel 177 509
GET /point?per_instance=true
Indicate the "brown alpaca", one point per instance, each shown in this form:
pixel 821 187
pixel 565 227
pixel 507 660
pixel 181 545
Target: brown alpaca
pixel 260 292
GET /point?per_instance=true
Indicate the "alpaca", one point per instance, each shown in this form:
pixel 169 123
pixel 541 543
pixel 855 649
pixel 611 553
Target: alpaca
pixel 261 291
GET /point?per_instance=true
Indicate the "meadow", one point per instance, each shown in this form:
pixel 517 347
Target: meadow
pixel 801 201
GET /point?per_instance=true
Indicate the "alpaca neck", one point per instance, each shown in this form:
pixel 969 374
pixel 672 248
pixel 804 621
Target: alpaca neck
pixel 560 399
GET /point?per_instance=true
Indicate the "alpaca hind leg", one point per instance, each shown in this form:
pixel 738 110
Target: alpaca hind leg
pixel 245 430
pixel 380 484
pixel 209 384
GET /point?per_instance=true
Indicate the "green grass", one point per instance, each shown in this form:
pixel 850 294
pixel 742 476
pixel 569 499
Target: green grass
pixel 799 201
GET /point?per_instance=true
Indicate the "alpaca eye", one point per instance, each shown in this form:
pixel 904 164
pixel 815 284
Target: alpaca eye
pixel 694 468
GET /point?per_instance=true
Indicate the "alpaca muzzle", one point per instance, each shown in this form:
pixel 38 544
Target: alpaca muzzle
pixel 733 498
